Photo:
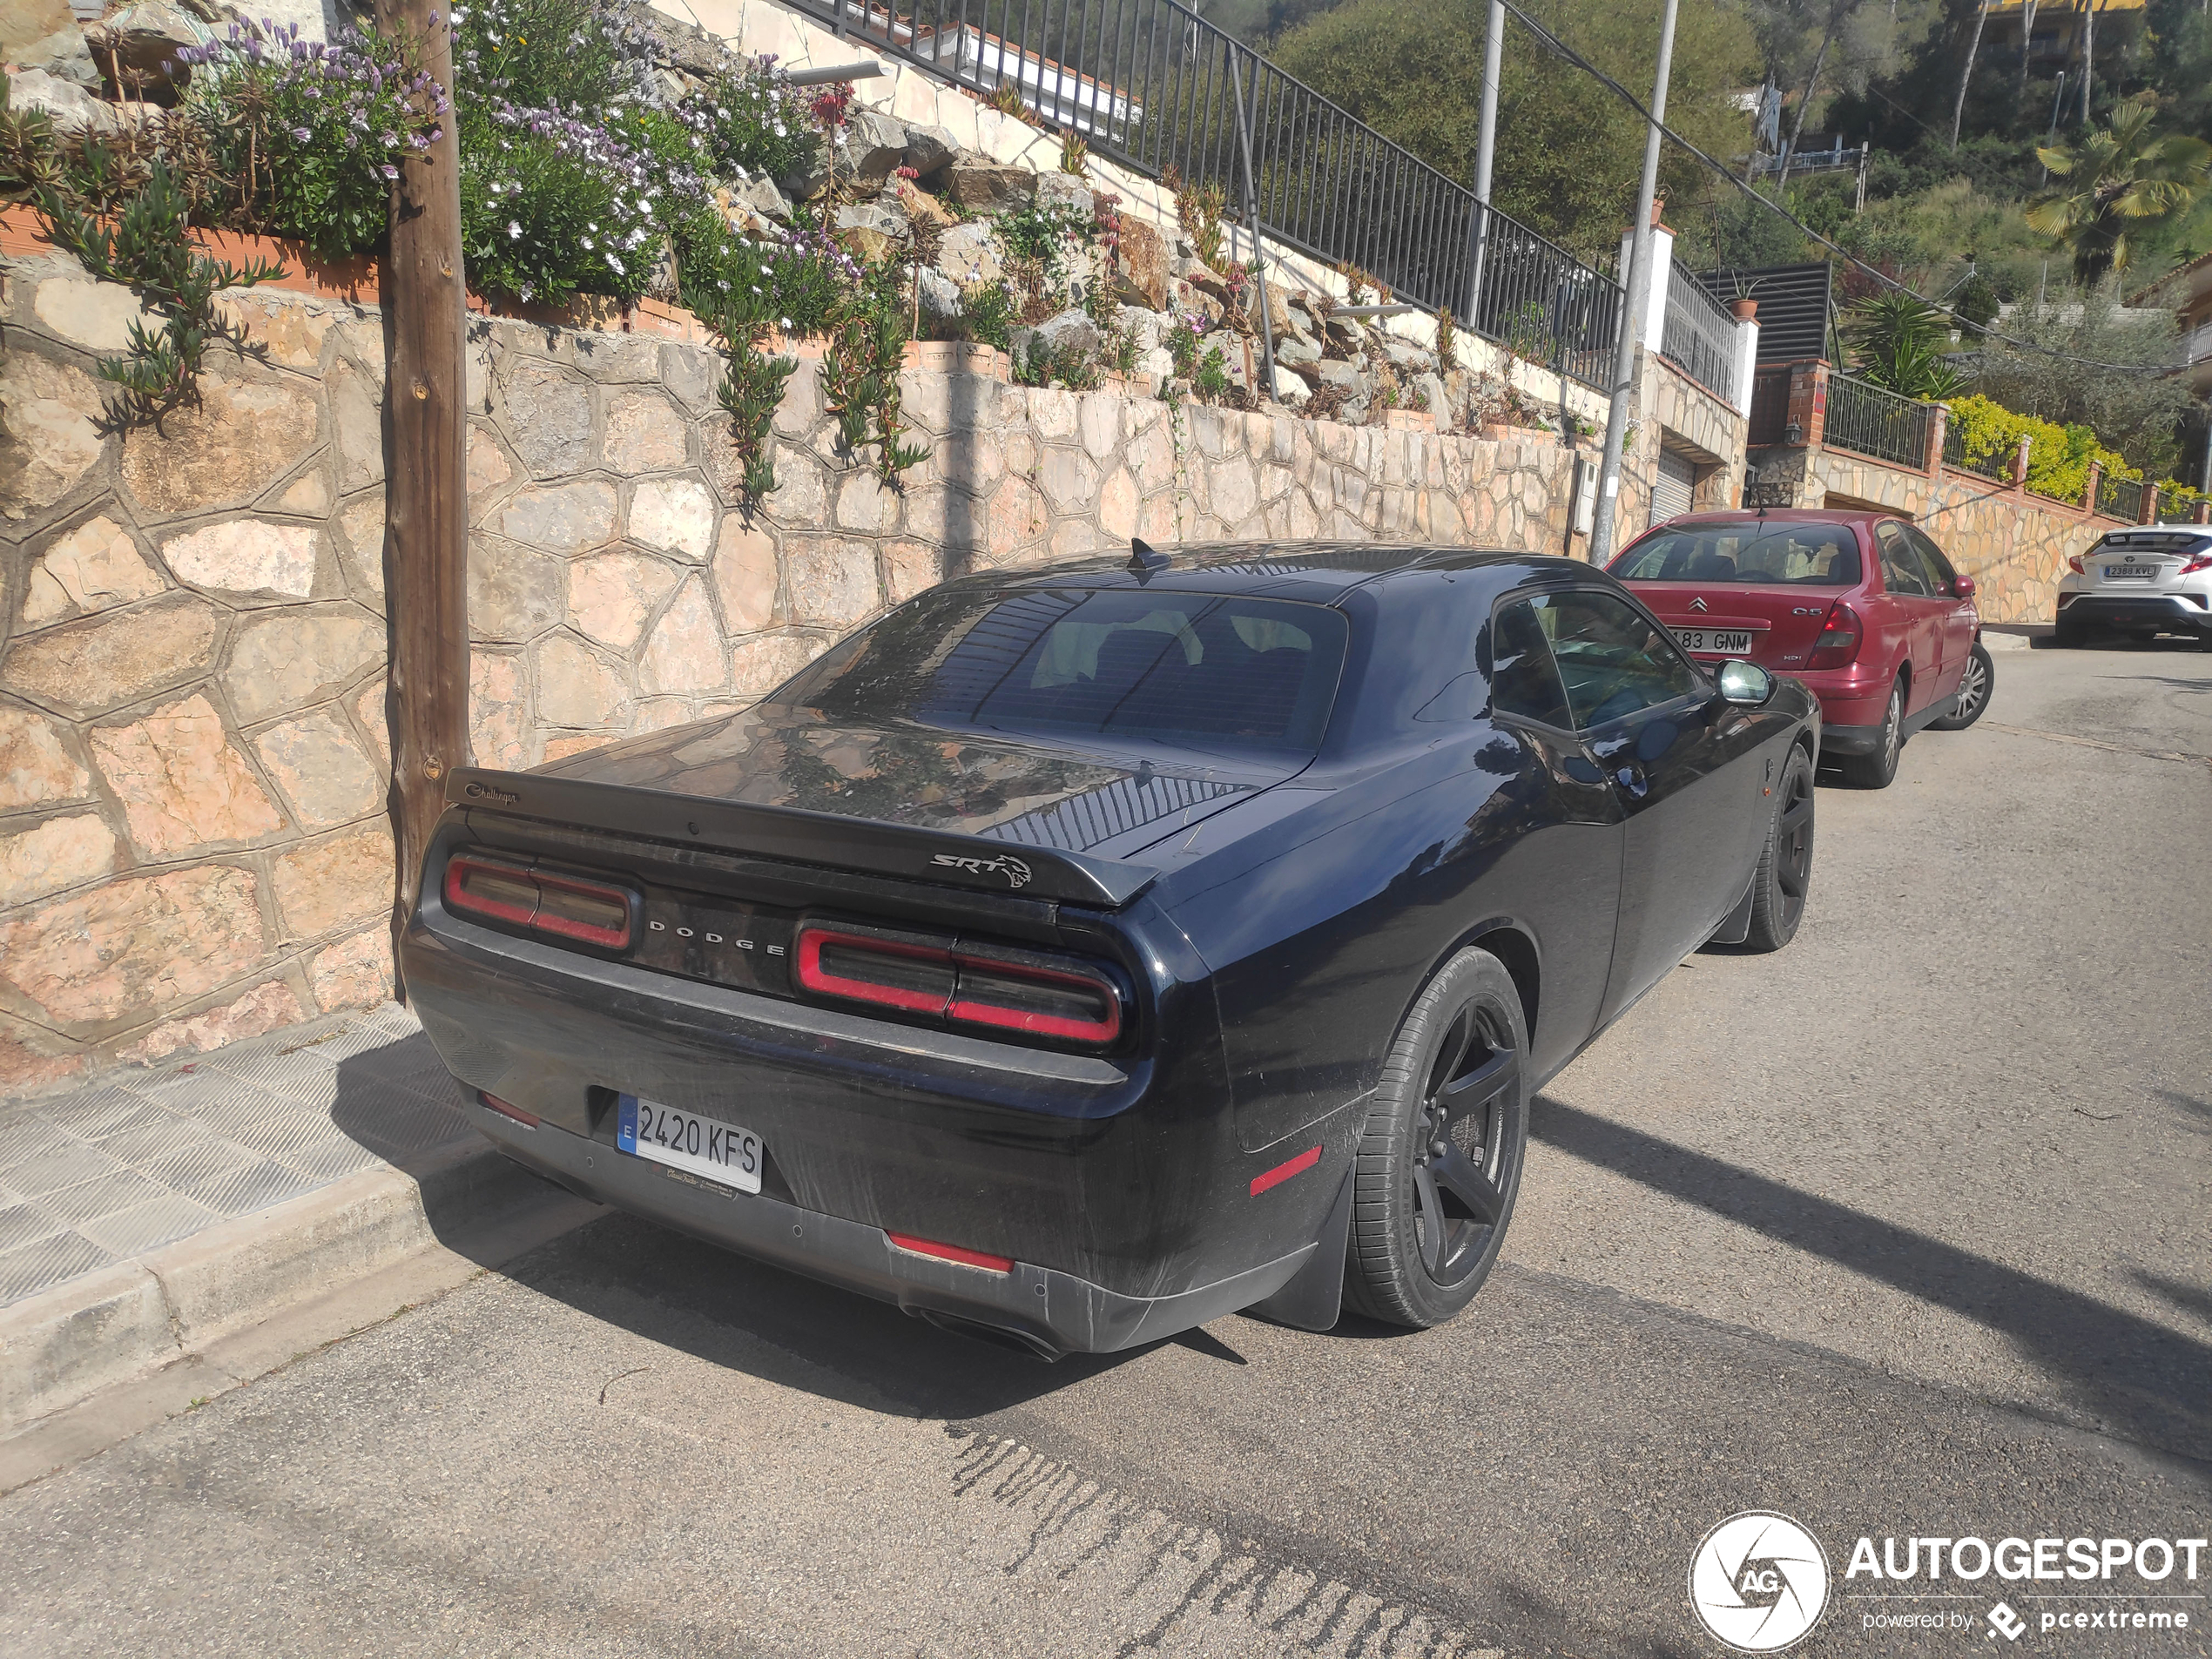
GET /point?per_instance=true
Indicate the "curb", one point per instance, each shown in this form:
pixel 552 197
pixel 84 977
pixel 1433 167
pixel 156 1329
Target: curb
pixel 125 1322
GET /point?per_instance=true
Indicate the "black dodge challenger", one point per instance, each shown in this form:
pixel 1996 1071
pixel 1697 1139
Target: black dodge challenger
pixel 1076 955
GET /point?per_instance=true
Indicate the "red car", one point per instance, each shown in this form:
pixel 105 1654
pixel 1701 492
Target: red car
pixel 1863 607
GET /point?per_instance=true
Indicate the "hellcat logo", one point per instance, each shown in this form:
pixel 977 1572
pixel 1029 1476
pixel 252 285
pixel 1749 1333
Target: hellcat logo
pixel 1015 872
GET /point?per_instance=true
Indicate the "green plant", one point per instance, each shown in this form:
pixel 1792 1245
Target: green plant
pixel 1198 208
pixel 1447 341
pixel 866 339
pixel 577 56
pixel 756 122
pixel 2121 182
pixel 147 249
pixel 988 311
pixel 1898 341
pixel 1075 153
pixel 2058 457
pixel 1043 231
pixel 1069 366
pixel 1005 97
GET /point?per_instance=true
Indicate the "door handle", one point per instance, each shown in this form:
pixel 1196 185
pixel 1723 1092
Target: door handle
pixel 1632 779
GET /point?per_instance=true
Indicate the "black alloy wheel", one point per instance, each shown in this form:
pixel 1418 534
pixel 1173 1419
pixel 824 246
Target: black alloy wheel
pixel 1975 687
pixel 1440 1163
pixel 1878 770
pixel 1785 863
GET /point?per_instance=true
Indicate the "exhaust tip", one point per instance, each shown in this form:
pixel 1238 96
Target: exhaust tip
pixel 999 1336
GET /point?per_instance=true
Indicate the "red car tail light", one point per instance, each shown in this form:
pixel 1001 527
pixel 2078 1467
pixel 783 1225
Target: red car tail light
pixel 1009 991
pixel 2199 562
pixel 1839 641
pixel 960 1254
pixel 2073 563
pixel 546 901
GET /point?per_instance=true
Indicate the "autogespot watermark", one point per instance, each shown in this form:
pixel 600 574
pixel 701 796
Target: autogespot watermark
pixel 1760 1582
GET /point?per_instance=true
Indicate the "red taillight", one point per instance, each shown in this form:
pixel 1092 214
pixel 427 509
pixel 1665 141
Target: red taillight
pixel 1839 641
pixel 960 1254
pixel 547 901
pixel 2073 563
pixel 528 1120
pixel 2190 567
pixel 1006 990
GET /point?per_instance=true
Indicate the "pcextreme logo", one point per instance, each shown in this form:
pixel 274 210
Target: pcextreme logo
pixel 1759 1582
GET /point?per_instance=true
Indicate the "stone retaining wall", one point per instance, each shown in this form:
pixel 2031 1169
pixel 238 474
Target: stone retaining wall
pixel 193 745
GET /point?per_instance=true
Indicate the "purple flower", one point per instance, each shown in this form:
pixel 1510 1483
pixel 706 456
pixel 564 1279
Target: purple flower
pixel 390 171
pixel 301 135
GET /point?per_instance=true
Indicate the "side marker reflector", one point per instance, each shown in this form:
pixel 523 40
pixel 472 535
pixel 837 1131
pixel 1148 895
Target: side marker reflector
pixel 526 1119
pixel 1281 1172
pixel 959 1253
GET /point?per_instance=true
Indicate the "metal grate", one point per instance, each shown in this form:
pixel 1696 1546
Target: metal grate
pixel 1997 464
pixel 1699 337
pixel 1793 307
pixel 1870 421
pixel 1153 85
pixel 2120 498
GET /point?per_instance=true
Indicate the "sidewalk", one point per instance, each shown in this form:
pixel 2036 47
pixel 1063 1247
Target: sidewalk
pixel 144 1158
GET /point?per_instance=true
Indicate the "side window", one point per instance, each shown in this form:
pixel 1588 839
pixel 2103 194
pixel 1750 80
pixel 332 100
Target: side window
pixel 1901 572
pixel 1523 678
pixel 1615 661
pixel 1940 575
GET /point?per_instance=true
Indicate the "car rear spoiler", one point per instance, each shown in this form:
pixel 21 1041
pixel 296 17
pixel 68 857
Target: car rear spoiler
pixel 805 837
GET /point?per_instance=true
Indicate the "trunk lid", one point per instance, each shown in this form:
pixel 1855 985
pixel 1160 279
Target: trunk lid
pixel 1776 624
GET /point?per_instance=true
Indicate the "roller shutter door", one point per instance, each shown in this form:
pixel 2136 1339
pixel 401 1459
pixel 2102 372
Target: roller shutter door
pixel 1670 491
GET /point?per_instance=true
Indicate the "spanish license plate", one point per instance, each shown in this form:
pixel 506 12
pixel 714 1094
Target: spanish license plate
pixel 723 1153
pixel 2130 572
pixel 1726 642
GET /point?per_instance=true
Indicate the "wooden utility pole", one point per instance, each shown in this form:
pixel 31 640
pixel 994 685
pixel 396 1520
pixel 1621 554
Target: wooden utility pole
pixel 426 536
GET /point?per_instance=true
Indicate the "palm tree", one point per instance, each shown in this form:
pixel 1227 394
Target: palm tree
pixel 2123 180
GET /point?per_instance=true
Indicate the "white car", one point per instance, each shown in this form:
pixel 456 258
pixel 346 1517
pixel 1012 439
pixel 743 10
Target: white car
pixel 2155 580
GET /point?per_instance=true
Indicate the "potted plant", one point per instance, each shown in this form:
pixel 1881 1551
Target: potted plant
pixel 1743 305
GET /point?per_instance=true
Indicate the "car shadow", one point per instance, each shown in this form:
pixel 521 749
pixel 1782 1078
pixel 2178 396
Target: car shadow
pixel 2139 1378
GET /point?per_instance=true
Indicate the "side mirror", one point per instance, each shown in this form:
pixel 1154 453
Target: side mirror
pixel 1962 587
pixel 1745 685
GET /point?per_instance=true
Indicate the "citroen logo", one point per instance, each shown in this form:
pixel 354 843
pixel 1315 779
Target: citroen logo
pixel 1696 605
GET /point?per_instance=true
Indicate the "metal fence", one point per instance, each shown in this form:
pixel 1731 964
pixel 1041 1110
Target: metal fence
pixel 2120 498
pixel 1871 421
pixel 1997 465
pixel 1699 335
pixel 1152 85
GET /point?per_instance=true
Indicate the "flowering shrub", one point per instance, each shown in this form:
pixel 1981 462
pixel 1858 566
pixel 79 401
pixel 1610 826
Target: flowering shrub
pixel 572 55
pixel 308 136
pixel 756 123
pixel 2058 457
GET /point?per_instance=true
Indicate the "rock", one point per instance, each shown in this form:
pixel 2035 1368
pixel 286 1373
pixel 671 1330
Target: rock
pixel 1203 277
pixel 1406 356
pixel 284 658
pixel 644 434
pixel 610 596
pixel 321 770
pixel 809 178
pixel 548 418
pixel 969 254
pixel 1068 191
pixel 26 23
pixel 513 592
pixel 354 972
pixel 561 518
pixel 685 654
pixel 1069 331
pixel 95 315
pixel 759 666
pixel 746 575
pixel 929 150
pixel 35 769
pixel 830 583
pixel 498 711
pixel 268 1006
pixel 1439 401
pixel 101 663
pixel 246 555
pixel 61 853
pixel 136 946
pixel 871 146
pixel 920 208
pixel 575 687
pixel 1195 301
pixel 871 232
pixel 1288 388
pixel 1140 274
pixel 1347 333
pixel 184 784
pixel 96 567
pixel 72 106
pixel 1333 373
pixel 344 880
pixel 762 196
pixel 1293 351
pixel 231 449
pixel 940 296
pixel 147 39
pixel 357 422
pixel 48 441
pixel 676 514
pixel 978 183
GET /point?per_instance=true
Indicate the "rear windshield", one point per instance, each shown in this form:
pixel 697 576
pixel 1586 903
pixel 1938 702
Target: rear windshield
pixel 1812 556
pixel 1192 671
pixel 2153 542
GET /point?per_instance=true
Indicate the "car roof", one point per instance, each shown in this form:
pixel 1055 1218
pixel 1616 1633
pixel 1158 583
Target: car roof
pixel 1314 572
pixel 1780 516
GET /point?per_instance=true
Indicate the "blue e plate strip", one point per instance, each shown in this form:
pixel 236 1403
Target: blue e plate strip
pixel 626 1134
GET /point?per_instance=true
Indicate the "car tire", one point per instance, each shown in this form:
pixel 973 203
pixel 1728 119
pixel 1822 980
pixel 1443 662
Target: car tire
pixel 1878 770
pixel 1785 862
pixel 1426 1225
pixel 1975 687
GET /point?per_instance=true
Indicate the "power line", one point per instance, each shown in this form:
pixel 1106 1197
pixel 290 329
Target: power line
pixel 1563 49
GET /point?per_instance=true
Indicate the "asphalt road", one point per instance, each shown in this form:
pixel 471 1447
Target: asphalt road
pixel 1900 1232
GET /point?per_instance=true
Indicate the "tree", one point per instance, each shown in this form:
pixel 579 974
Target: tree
pixel 1569 149
pixel 1898 341
pixel 1967 75
pixel 2122 182
pixel 2136 411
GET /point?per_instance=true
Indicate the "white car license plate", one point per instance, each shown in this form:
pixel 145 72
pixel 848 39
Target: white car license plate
pixel 2130 572
pixel 723 1153
pixel 1715 642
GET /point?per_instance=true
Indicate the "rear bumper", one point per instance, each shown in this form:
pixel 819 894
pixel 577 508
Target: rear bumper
pixel 1049 1312
pixel 2166 611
